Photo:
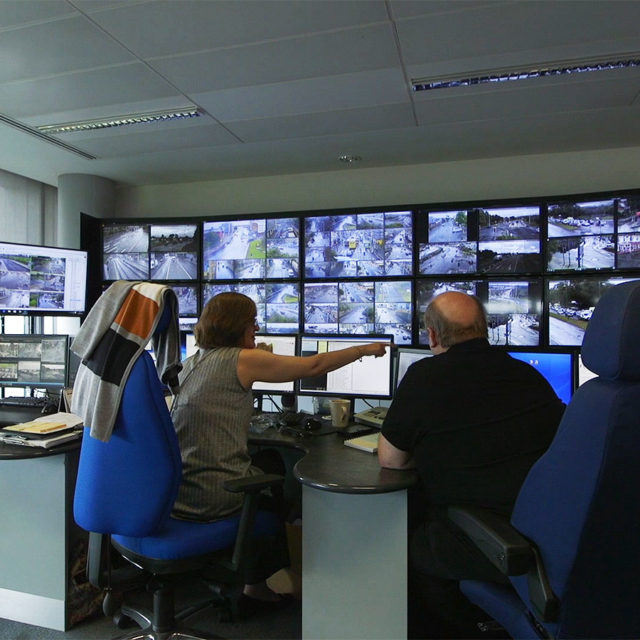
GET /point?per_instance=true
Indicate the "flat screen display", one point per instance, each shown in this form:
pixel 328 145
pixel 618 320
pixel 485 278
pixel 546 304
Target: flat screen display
pixel 125 251
pixel 33 360
pixel 150 251
pixel 363 307
pixel 187 299
pixel 283 346
pixel 358 245
pixel 571 302
pixel 405 357
pixel 497 240
pixel 514 307
pixel 42 279
pixel 369 378
pixel 514 311
pixel 581 235
pixel 277 303
pixel 251 249
pixel 173 252
pixel 557 368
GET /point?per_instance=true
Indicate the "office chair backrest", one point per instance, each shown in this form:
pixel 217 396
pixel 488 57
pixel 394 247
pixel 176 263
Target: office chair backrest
pixel 580 502
pixel 129 484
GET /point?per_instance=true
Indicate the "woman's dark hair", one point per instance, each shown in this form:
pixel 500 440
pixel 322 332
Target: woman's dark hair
pixel 224 319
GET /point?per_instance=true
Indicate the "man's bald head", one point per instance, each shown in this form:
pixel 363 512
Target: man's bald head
pixel 456 317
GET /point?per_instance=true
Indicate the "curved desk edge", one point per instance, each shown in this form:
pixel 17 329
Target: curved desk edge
pixel 328 465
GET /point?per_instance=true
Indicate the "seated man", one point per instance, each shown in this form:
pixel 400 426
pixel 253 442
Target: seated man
pixel 472 421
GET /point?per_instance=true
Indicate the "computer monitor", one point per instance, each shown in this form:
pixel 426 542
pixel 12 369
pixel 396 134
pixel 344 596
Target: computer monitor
pixel 283 345
pixel 365 378
pixel 46 280
pixel 405 357
pixel 33 360
pixel 557 367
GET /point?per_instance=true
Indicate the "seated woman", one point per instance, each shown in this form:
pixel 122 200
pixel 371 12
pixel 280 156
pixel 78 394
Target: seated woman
pixel 212 412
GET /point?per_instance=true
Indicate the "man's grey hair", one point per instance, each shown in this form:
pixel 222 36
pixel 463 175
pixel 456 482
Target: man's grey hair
pixel 450 332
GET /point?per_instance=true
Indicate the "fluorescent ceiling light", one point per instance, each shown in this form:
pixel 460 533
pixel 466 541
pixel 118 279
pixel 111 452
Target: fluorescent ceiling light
pixel 512 74
pixel 34 132
pixel 121 121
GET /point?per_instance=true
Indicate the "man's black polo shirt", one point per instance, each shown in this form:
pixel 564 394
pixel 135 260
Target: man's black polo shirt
pixel 475 420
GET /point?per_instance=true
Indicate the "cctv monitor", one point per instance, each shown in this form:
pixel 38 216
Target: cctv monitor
pixel 358 245
pixel 248 249
pixel 367 377
pixel 44 280
pixel 33 360
pixel 173 251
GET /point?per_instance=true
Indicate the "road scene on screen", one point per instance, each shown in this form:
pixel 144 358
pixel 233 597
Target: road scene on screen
pixel 349 246
pixel 574 253
pixel 173 252
pixel 581 218
pixel 514 313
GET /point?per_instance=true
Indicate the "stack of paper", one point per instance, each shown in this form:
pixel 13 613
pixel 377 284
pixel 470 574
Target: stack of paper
pixel 46 431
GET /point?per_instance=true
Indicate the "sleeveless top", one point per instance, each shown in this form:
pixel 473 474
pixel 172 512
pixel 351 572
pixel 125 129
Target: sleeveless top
pixel 211 415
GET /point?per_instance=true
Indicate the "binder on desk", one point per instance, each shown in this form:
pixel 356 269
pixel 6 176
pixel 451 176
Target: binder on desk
pixel 44 443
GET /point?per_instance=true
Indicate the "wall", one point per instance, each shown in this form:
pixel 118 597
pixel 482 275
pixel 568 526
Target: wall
pixel 485 179
pixel 28 210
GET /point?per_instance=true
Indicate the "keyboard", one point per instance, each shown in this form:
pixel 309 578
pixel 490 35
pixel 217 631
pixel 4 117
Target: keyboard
pixel 27 403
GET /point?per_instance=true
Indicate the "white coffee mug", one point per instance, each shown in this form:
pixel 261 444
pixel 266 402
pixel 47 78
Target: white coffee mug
pixel 340 413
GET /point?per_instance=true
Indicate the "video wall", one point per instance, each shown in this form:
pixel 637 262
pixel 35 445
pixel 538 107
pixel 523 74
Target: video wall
pixel 539 265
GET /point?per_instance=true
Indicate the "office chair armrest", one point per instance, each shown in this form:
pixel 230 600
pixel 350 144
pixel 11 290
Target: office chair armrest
pixel 253 484
pixel 493 534
pixel 511 553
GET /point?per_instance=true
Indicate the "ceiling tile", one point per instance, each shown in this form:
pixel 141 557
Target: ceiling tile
pixel 193 25
pixel 320 55
pixel 348 91
pixel 99 88
pixel 323 124
pixel 56 47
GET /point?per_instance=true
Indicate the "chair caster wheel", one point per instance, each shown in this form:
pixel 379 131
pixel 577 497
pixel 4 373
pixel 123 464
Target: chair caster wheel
pixel 123 622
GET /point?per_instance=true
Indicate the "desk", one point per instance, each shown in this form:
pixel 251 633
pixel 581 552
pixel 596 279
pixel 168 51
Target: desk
pixel 354 540
pixel 36 494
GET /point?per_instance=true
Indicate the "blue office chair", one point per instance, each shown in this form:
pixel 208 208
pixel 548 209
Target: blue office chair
pixel 572 548
pixel 125 491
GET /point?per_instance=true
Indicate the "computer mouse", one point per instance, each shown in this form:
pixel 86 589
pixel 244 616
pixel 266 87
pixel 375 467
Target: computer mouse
pixel 311 424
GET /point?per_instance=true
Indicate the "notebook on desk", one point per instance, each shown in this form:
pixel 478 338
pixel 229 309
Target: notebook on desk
pixel 44 427
pixel 364 443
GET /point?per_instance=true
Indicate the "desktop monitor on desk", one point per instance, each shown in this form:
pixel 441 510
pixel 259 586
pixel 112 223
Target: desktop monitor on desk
pixel 284 345
pixel 405 357
pixel 558 367
pixel 33 360
pixel 365 378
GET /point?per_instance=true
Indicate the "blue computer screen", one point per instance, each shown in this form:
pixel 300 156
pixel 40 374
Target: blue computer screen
pixel 557 368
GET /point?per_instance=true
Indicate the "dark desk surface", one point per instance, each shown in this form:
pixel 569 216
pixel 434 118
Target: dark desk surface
pixel 329 465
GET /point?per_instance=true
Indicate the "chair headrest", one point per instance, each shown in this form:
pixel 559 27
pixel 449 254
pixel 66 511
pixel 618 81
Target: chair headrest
pixel 611 345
